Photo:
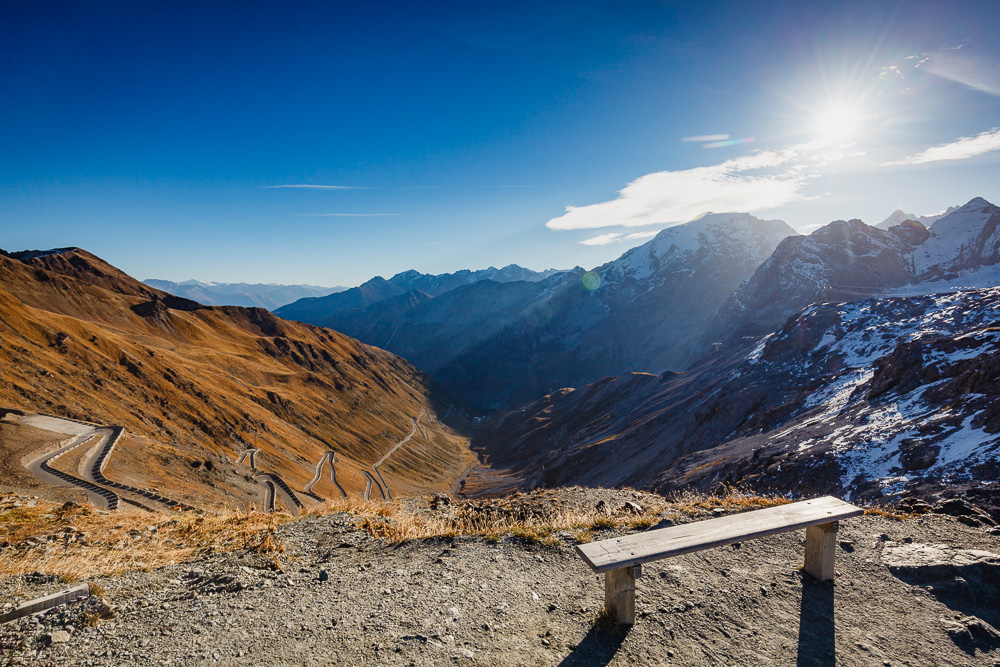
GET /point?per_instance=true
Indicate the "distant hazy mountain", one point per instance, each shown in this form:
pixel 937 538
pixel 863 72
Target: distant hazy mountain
pixel 319 310
pixel 900 216
pixel 269 296
pixel 437 285
pixel 494 342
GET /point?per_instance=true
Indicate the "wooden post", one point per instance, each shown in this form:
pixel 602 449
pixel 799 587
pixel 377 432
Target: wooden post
pixel 821 543
pixel 619 595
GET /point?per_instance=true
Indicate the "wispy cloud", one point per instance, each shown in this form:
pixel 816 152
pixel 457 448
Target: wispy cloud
pixel 674 197
pixel 618 237
pixel 347 215
pixel 966 66
pixel 311 186
pixel 960 149
pixel 603 239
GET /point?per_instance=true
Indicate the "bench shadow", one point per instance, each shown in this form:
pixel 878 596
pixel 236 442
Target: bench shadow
pixel 596 649
pixel 817 629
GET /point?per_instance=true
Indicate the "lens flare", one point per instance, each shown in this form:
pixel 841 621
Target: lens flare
pixel 591 280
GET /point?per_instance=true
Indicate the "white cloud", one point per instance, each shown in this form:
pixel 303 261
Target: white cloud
pixel 641 235
pixel 310 186
pixel 603 239
pixel 674 197
pixel 618 237
pixel 960 149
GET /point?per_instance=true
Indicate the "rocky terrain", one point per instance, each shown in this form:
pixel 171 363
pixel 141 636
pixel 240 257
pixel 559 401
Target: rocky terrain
pixel 916 591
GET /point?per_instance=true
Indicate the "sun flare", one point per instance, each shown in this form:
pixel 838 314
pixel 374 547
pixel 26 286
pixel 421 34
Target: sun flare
pixel 838 123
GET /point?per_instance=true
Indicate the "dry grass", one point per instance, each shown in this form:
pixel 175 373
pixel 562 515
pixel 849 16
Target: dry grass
pixel 888 514
pixel 125 541
pixel 42 538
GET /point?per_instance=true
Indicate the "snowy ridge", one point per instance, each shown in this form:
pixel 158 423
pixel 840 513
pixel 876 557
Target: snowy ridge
pixel 739 236
pixel 906 388
pixel 960 240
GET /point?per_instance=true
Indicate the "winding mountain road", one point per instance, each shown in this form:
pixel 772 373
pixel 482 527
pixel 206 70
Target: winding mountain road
pixel 275 485
pixel 250 456
pixel 370 481
pixel 331 457
pixel 97 459
pixel 384 488
pixel 91 466
pixel 40 468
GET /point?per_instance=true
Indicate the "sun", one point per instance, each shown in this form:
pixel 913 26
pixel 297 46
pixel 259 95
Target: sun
pixel 838 123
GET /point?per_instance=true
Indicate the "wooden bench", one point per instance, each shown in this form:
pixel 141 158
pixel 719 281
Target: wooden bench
pixel 621 558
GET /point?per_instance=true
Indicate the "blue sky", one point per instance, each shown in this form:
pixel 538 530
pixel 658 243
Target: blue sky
pixel 460 135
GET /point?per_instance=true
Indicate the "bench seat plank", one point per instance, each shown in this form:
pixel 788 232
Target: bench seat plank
pixel 653 545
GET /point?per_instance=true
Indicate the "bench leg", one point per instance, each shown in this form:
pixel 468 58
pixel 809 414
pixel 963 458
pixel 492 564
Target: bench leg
pixel 619 595
pixel 821 543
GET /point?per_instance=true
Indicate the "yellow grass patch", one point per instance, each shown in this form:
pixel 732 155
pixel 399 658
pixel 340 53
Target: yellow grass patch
pixel 76 542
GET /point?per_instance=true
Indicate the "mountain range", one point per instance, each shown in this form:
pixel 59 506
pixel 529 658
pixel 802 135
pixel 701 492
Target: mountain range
pixel 255 295
pixel 499 343
pixel 882 381
pixel 855 360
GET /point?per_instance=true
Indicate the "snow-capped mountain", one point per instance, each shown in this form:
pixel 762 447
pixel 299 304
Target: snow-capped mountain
pixel 739 237
pixel 842 261
pixel 848 261
pixel 967 238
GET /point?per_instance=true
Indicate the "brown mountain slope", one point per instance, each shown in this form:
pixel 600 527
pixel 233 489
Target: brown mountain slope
pixel 190 383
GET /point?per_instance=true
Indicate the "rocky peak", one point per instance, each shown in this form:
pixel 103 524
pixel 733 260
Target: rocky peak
pixel 966 238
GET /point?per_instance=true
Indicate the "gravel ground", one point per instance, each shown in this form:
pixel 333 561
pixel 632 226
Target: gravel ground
pixel 470 601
